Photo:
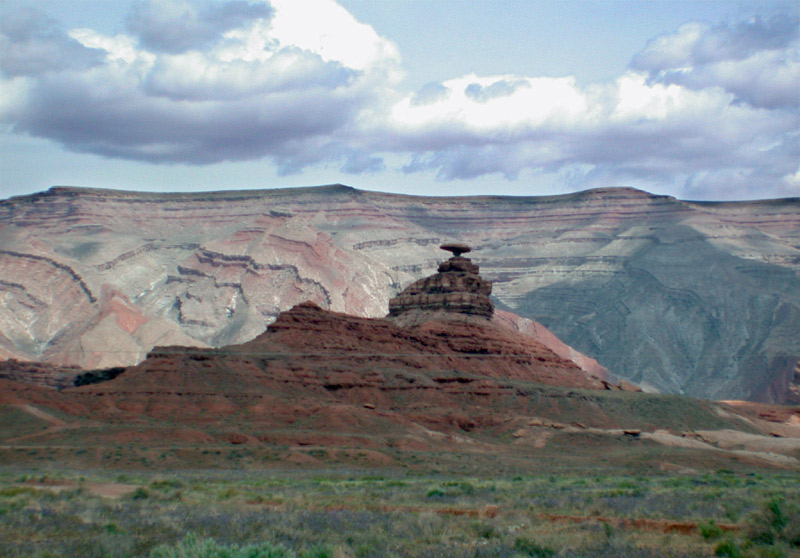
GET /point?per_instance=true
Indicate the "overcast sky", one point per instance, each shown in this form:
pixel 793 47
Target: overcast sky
pixel 695 99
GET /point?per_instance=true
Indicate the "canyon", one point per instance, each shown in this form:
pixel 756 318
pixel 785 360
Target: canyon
pixel 692 298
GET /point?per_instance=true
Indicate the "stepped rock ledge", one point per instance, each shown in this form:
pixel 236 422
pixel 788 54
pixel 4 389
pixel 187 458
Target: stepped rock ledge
pixel 457 287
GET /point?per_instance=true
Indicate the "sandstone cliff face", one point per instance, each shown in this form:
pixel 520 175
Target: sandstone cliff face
pixel 697 298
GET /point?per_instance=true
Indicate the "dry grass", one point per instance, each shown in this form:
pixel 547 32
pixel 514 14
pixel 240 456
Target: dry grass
pixel 354 514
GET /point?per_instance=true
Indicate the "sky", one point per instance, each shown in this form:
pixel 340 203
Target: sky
pixel 695 99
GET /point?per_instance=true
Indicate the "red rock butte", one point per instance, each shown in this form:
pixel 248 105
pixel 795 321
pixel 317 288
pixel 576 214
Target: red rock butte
pixel 456 288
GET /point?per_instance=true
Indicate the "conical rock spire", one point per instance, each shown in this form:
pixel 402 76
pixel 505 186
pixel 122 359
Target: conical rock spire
pixel 456 288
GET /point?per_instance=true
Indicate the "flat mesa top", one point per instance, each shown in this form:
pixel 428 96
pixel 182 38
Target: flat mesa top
pixel 456 248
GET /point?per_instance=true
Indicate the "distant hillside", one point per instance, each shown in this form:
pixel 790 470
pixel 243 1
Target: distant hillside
pixel 684 297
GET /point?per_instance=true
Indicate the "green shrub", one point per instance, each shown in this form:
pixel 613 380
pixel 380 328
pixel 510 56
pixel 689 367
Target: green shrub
pixel 318 551
pixel 732 510
pixel 533 549
pixel 192 547
pixel 14 491
pixel 485 530
pixel 140 494
pixel 365 551
pixel 608 531
pixel 463 487
pixel 791 534
pixel 728 548
pixel 166 484
pixel 771 552
pixel 776 521
pixel 709 530
pixel 452 490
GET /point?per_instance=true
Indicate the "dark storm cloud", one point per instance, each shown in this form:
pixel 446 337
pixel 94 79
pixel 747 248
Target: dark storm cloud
pixel 174 26
pixel 757 60
pixel 31 44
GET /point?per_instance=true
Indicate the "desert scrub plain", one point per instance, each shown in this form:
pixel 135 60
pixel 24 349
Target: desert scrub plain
pixel 356 514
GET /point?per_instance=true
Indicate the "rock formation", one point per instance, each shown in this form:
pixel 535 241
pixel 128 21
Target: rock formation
pixel 683 297
pixel 40 374
pixel 370 392
pixel 456 288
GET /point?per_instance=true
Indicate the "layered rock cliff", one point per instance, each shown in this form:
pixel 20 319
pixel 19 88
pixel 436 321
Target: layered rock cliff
pixel 454 372
pixel 456 288
pixel 367 391
pixel 698 298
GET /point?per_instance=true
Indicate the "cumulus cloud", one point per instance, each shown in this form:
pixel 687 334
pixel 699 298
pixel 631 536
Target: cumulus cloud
pixel 630 131
pixel 199 82
pixel 756 60
pixel 176 26
pixel 33 44
pixel 194 76
pixel 203 82
pixel 707 108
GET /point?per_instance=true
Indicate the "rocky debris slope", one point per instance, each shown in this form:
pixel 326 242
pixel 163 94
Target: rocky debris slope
pixel 683 297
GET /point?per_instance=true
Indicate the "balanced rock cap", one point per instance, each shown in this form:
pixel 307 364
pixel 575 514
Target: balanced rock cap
pixel 456 248
pixel 457 288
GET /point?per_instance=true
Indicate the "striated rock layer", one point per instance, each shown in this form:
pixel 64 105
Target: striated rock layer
pixel 369 392
pixel 40 374
pixel 683 297
pixel 457 287
pixel 313 361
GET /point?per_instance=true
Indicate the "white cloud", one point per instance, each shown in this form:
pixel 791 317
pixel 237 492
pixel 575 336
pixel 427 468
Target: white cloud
pixel 463 105
pixel 195 76
pixel 629 128
pixel 792 182
pixel 302 83
pixel 232 81
pixel 756 60
pixel 325 28
pixel 176 26
pixel 120 48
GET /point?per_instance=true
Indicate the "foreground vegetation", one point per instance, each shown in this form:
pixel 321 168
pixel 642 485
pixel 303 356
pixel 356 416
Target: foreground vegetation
pixel 339 514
